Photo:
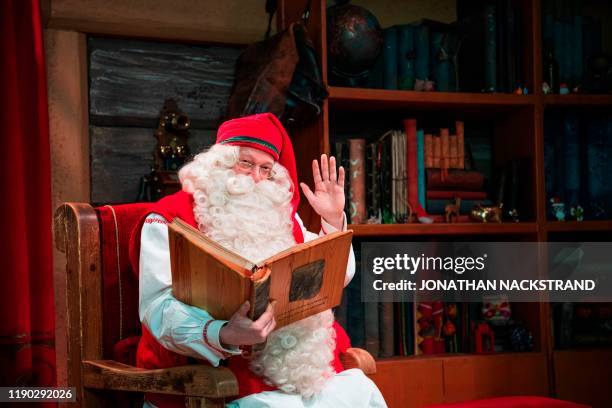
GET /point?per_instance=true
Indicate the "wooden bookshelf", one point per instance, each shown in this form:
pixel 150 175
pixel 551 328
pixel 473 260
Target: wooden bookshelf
pixel 464 228
pixel 422 380
pixel 571 226
pixel 363 99
pixel 578 100
pixel 445 379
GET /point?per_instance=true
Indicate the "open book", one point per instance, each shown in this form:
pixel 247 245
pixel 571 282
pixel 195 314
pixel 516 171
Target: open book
pixel 304 279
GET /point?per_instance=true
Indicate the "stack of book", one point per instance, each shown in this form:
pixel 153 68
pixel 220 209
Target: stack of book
pixel 379 177
pixel 446 177
pixel 417 56
pixel 490 59
pixel 572 37
pixel 577 151
pixel 481 52
pixel 375 185
pixel 407 172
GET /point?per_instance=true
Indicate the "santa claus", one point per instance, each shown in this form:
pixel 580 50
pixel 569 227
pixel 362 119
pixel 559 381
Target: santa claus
pixel 242 193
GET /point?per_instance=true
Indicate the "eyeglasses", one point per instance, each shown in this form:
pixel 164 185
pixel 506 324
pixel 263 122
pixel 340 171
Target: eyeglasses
pixel 264 171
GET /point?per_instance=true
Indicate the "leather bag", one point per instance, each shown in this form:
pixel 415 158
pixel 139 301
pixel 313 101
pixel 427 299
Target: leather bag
pixel 280 75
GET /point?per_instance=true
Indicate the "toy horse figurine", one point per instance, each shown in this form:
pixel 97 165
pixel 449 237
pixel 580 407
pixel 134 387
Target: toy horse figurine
pixel 452 210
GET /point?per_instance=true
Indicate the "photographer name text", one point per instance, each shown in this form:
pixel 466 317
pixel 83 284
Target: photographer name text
pixel 486 285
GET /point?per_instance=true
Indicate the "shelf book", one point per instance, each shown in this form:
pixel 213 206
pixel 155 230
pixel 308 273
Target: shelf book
pixel 578 164
pixel 305 279
pixel 415 172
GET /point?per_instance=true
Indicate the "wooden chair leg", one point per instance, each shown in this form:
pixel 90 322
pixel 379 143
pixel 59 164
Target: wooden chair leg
pixel 94 398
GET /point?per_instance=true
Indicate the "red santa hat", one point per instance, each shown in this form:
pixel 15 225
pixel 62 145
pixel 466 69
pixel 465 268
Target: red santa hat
pixel 264 132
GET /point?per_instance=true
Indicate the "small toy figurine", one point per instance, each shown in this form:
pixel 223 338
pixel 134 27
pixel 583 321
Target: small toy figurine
pixel 546 88
pixel 487 214
pixel 525 91
pixel 377 219
pixel 521 339
pixel 558 208
pixel 513 214
pixel 450 327
pixel 496 309
pixel 484 339
pixel 577 212
pixel 430 321
pixel 451 211
pixel 563 89
pixel 518 90
pixel 429 86
pixel 451 310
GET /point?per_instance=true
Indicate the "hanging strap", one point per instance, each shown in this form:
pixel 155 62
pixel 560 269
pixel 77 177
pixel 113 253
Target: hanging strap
pixel 271 7
pixel 306 13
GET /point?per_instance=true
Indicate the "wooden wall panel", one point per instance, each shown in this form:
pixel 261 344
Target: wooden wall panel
pixel 66 64
pixel 130 78
pixel 129 82
pixel 68 118
pixel 229 21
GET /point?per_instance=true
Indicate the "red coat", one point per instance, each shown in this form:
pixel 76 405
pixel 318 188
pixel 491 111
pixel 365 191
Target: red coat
pixel 152 355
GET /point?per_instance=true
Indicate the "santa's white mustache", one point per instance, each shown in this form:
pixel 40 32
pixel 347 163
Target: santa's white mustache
pixel 277 193
pixel 240 184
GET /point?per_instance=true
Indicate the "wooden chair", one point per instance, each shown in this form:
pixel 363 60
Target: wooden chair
pixel 102 328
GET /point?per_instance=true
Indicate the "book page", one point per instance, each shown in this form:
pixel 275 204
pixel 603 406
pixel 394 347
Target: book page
pixel 202 240
pixel 300 247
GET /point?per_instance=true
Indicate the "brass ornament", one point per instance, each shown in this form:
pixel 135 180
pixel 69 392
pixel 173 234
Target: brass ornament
pixel 487 214
pixel 171 152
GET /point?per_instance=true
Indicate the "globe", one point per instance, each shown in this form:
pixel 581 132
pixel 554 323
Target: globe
pixel 354 40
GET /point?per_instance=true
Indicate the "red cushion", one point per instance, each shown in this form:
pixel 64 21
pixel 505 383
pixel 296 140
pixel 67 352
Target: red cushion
pixel 513 402
pixel 119 281
pixel 125 350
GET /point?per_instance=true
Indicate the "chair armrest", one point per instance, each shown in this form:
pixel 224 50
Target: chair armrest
pixel 358 358
pixel 194 380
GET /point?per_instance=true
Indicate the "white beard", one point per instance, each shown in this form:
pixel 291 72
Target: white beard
pixel 254 220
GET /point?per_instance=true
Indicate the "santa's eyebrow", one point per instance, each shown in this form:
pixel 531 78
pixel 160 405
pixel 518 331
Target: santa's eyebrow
pixel 245 156
pixel 248 157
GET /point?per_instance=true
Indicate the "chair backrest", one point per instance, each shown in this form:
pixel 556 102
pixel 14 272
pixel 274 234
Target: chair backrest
pixel 121 325
pixel 101 289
